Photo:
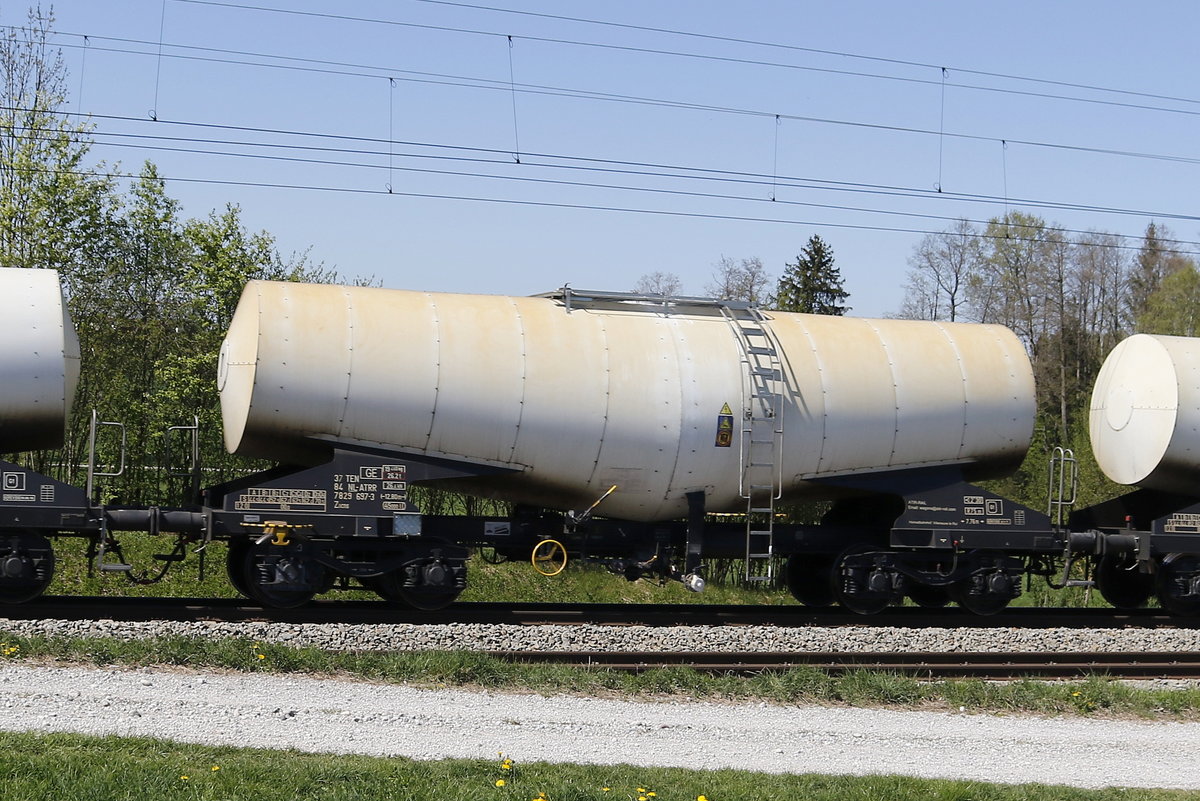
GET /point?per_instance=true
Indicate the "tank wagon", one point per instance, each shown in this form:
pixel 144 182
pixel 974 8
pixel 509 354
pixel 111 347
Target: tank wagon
pixel 618 427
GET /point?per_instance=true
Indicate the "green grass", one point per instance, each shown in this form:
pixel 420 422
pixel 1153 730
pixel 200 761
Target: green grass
pixel 1097 696
pixel 63 767
pixel 509 582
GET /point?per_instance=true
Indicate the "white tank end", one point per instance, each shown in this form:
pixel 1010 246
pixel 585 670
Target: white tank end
pixel 1145 413
pixel 39 360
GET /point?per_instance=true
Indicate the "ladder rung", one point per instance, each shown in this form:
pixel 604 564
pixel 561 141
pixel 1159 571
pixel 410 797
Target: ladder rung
pixel 761 510
pixel 759 533
pixel 752 332
pixel 758 578
pixel 767 555
pixel 765 372
pixel 762 486
pixel 757 350
pixel 115 567
pixel 760 464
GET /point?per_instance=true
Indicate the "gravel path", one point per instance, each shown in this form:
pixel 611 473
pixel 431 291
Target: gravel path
pixel 357 717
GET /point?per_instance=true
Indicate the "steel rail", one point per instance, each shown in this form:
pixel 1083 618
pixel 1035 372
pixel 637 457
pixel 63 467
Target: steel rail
pixel 529 614
pixel 989 665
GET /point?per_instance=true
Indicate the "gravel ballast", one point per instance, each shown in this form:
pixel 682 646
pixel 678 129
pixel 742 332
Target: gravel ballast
pixel 322 715
pixel 588 637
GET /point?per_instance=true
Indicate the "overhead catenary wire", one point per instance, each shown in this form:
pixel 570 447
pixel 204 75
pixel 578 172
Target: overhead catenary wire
pixel 797 48
pixel 756 62
pixel 1118 245
pixel 469 82
pixel 581 206
pixel 618 166
pixel 634 168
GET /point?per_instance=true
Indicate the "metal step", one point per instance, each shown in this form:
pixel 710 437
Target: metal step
pixel 115 567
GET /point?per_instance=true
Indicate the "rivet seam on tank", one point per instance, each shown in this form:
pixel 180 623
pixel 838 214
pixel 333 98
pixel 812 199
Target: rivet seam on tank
pixel 437 364
pixel 512 451
pixel 604 349
pixel 341 423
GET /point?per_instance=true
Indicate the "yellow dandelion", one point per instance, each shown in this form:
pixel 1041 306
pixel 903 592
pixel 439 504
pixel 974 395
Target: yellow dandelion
pixel 500 782
pixel 1076 693
pixel 652 794
pixel 185 778
pixel 701 798
pixel 262 656
pixel 215 768
pixel 605 789
pixel 641 789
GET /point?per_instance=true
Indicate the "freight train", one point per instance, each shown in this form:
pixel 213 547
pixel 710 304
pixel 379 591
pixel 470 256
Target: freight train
pixel 648 433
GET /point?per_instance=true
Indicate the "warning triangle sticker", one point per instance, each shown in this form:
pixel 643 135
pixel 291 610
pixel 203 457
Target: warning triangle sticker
pixel 726 410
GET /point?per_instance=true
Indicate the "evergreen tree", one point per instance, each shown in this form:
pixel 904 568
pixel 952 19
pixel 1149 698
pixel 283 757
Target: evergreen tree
pixel 813 284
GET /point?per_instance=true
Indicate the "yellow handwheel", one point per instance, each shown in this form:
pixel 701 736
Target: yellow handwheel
pixel 549 557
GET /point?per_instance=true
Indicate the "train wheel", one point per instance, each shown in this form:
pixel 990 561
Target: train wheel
pixel 808 578
pixel 26 566
pixel 976 602
pixel 426 598
pixel 990 587
pixel 858 584
pixel 1178 583
pixel 1121 583
pixel 927 596
pixel 280 576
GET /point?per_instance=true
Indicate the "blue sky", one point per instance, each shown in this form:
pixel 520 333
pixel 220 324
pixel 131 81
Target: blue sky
pixel 415 142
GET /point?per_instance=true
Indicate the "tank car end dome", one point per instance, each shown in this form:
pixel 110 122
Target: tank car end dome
pixel 1145 413
pixel 39 360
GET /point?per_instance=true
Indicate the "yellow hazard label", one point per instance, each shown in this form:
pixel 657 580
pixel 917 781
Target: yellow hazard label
pixel 726 410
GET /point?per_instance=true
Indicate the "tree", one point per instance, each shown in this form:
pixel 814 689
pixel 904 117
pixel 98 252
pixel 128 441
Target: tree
pixel 813 284
pixel 1174 308
pixel 743 280
pixel 942 267
pixel 52 210
pixel 659 283
pixel 1156 260
pixel 1012 288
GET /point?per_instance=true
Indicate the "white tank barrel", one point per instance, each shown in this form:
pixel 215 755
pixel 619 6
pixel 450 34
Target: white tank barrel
pixel 1145 413
pixel 646 397
pixel 39 360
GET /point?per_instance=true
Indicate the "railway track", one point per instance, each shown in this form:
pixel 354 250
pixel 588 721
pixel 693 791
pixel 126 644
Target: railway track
pixel 921 665
pixel 526 614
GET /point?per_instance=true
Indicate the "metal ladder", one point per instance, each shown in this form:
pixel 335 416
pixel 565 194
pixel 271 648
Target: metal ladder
pixel 1063 485
pixel 760 481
